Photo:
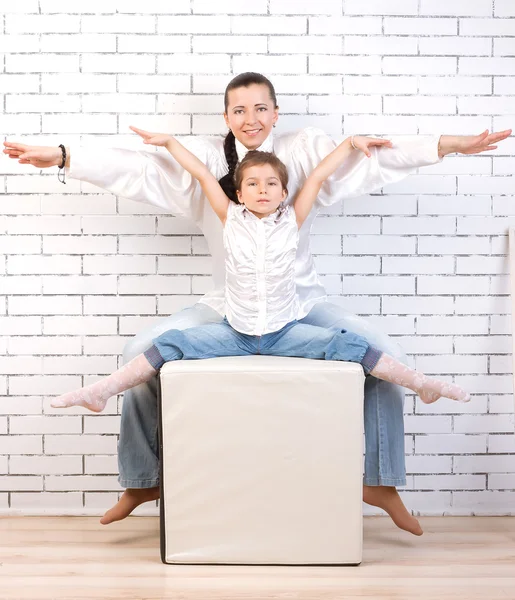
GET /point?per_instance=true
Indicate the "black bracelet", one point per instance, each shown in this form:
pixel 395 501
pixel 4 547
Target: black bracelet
pixel 61 176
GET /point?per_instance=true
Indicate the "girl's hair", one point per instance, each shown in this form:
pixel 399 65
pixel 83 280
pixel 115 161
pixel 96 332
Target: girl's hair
pixel 256 158
pixel 241 80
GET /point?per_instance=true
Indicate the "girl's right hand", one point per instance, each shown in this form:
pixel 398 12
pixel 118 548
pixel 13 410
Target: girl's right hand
pixel 41 157
pixel 154 139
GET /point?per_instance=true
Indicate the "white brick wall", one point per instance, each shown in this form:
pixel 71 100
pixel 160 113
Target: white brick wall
pixel 425 259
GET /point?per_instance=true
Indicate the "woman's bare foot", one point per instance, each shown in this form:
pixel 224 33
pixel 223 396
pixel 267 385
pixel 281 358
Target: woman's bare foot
pixel 131 498
pixel 388 499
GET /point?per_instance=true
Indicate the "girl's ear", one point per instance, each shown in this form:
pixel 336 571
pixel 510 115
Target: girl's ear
pixel 285 193
pixel 238 194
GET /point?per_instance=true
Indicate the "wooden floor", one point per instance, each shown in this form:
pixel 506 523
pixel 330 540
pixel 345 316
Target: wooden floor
pixel 463 558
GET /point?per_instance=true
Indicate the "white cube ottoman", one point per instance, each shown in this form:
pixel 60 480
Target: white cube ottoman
pixel 261 461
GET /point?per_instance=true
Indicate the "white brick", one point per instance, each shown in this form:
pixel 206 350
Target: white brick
pixel 118 24
pixel 485 185
pixel 172 304
pixel 332 7
pixel 504 8
pixel 100 465
pixel 20 406
pixel 105 345
pixel 502 85
pixel 305 44
pixel 300 84
pixel 154 6
pixel 483 423
pixel 455 125
pixel 78 365
pixel 39 104
pixel 498 444
pixel 450 444
pixel 459 85
pixel 102 424
pixel 382 45
pixel 500 404
pixel 343 25
pixel 501 364
pixel 29 6
pixel 456 7
pixel 487 66
pixel 38 503
pixel 488 104
pixel 418 65
pixel 376 284
pixel 451 364
pixel 428 464
pixel 44 305
pixel 79 82
pixel 501 482
pixel 44 345
pixel 153 43
pixel 19 43
pixel 500 324
pixel 454 205
pixel 106 305
pixel 79 325
pixel 21 444
pixel 485 464
pixel 118 264
pixel 44 265
pixel 427 424
pixel 454 245
pixel 420 26
pixel 79 123
pixel 118 103
pixel 372 244
pixel 345 104
pixel 481 264
pixel 19 83
pixel 419 225
pixel 42 23
pixel 80 482
pixel 191 265
pixel 452 285
pixel 449 482
pixel 380 205
pixel 46 424
pixel 324 244
pixel 188 104
pixel 264 25
pixel 100 500
pixel 420 184
pixel 346 225
pixel 180 124
pixel 417 265
pixel 352 65
pixel 231 44
pixel 452 325
pixel 376 7
pixel 416 305
pixel 80 444
pixel 188 63
pixel 229 7
pixel 363 305
pixel 81 284
pixel 484 503
pixel 154 284
pixel 504 47
pixel 487 27
pixel 152 83
pixel 41 63
pixel 379 84
pixel 479 305
pixel 191 24
pixel 426 345
pixel 455 46
pixel 118 63
pixel 93 6
pixel 18 483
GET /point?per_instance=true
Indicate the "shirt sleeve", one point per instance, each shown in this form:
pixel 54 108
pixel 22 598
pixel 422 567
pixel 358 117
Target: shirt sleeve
pixel 154 178
pixel 360 175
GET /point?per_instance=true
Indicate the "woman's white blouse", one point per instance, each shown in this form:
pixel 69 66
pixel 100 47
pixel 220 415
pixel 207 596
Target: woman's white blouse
pixel 156 178
pixel 260 291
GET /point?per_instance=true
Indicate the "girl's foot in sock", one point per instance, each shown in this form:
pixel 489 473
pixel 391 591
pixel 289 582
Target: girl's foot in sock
pixel 96 395
pixel 429 390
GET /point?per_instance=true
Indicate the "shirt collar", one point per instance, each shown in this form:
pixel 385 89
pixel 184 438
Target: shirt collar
pixel 266 146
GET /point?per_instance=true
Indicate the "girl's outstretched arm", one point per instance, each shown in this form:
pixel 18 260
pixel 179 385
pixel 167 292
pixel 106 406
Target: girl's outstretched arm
pixel 309 192
pixel 197 169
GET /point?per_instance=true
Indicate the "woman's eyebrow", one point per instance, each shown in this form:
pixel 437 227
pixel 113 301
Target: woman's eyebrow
pixel 259 104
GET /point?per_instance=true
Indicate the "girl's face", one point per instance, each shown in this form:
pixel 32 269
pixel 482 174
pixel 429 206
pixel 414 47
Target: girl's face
pixel 251 114
pixel 261 190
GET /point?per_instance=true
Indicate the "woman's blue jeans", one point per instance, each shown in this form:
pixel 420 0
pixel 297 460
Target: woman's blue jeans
pixel 138 447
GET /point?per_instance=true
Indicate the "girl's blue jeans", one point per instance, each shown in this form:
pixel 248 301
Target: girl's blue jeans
pixel 138 448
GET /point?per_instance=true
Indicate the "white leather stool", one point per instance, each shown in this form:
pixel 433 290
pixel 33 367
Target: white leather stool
pixel 261 461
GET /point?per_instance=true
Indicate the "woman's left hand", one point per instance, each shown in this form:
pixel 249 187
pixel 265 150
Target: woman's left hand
pixel 363 143
pixel 471 144
pixel 154 139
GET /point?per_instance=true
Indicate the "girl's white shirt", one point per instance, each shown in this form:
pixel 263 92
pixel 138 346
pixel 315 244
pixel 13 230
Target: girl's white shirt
pixel 260 291
pixel 157 179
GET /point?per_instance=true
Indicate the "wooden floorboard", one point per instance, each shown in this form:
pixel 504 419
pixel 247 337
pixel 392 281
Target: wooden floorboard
pixel 458 558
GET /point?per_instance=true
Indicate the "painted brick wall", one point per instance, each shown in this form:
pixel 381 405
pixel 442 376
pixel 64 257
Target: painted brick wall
pixel 425 259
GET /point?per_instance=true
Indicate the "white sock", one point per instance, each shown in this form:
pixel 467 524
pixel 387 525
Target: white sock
pixel 428 389
pixel 95 396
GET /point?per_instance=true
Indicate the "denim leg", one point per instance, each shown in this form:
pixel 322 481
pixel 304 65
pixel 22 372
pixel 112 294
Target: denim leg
pixel 138 447
pixel 384 401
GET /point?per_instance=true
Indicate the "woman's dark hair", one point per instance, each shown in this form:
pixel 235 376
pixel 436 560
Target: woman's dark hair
pixel 256 157
pixel 241 80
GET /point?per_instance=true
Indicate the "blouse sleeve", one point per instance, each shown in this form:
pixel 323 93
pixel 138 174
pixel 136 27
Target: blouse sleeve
pixel 360 175
pixel 151 177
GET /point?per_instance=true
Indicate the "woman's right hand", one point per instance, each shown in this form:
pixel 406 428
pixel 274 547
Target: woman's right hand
pixel 38 156
pixel 155 139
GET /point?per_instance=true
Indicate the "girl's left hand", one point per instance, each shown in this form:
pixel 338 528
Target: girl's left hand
pixel 154 139
pixel 363 143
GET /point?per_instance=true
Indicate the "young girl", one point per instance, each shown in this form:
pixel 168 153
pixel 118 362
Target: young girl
pixel 261 238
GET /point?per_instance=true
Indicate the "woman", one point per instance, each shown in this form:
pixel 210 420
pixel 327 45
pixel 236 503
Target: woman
pixel 251 111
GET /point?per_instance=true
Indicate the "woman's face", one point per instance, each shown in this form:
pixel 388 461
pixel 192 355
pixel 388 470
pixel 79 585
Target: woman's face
pixel 251 114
